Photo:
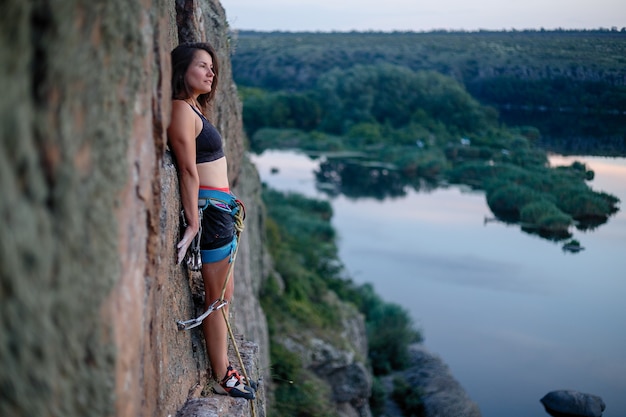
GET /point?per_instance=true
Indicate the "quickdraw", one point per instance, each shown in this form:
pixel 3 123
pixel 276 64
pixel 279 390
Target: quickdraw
pixel 190 324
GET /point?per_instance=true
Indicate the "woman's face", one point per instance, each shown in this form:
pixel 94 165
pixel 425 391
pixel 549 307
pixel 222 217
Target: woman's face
pixel 199 75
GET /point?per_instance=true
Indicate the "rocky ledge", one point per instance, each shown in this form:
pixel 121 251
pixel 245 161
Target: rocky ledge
pixel 203 402
pixel 442 394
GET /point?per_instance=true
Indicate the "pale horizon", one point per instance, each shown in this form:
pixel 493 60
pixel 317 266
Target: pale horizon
pixel 411 15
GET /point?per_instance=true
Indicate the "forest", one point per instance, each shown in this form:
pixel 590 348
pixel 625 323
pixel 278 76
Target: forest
pixel 542 69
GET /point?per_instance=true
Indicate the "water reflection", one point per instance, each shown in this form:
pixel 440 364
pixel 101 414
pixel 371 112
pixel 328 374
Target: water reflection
pixel 356 177
pixel 566 134
pixel 511 314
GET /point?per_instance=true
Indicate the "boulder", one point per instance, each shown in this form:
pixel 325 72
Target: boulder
pixel 442 394
pixel 565 403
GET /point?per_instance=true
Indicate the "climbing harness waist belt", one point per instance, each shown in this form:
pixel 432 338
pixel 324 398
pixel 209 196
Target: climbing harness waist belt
pixel 220 214
pixel 220 200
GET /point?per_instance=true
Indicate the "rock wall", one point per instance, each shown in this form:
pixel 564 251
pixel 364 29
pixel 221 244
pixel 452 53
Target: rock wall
pixel 89 292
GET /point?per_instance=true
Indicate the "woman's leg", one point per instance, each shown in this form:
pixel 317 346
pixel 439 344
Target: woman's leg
pixel 214 326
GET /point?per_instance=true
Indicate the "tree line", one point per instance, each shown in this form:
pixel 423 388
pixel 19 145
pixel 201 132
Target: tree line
pixel 550 69
pixel 369 102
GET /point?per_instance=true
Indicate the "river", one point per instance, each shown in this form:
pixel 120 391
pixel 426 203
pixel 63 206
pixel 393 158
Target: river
pixel 512 314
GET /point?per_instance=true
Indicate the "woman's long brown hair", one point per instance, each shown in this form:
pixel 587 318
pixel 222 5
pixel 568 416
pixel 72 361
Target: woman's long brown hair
pixel 182 56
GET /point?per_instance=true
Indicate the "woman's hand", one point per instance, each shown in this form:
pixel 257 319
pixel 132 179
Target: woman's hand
pixel 184 243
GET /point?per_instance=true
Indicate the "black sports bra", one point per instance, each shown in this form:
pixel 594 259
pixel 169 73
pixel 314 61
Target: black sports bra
pixel 208 142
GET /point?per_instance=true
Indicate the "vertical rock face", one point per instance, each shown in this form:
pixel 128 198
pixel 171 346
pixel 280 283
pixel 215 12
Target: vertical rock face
pixel 89 292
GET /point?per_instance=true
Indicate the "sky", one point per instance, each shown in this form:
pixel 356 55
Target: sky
pixel 421 15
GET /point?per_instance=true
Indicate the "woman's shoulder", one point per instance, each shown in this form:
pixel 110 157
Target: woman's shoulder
pixel 182 118
pixel 182 109
pixel 180 104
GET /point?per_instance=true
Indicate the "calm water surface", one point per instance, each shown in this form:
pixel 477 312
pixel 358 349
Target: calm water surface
pixel 512 315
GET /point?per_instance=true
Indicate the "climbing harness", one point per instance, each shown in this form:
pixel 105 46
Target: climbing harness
pixel 225 202
pixel 238 211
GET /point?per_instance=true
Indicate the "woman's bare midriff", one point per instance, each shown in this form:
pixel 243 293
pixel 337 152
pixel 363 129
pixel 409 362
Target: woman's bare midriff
pixel 214 173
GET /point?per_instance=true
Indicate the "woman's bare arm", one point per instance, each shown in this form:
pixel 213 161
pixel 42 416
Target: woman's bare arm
pixel 182 138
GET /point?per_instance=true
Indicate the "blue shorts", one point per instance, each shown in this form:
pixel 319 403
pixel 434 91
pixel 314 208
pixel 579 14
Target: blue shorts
pixel 214 255
pixel 218 240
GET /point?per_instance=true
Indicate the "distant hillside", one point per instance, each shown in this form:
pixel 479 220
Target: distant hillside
pixel 547 69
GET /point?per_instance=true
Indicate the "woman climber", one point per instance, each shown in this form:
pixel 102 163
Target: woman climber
pixel 208 205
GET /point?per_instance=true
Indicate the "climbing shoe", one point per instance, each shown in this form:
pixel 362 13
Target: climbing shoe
pixel 234 385
pixel 242 379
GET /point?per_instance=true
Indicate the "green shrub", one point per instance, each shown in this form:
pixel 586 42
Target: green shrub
pixel 389 335
pixel 364 134
pixel 476 173
pixel 582 203
pixel 530 132
pixel 408 398
pixel 273 138
pixel 378 397
pixel 468 153
pixel 305 396
pixel 286 365
pixel 545 215
pixel 530 158
pixel 431 164
pixel 509 199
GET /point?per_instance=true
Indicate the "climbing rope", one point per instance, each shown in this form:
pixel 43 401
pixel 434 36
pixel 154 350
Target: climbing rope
pixel 239 226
